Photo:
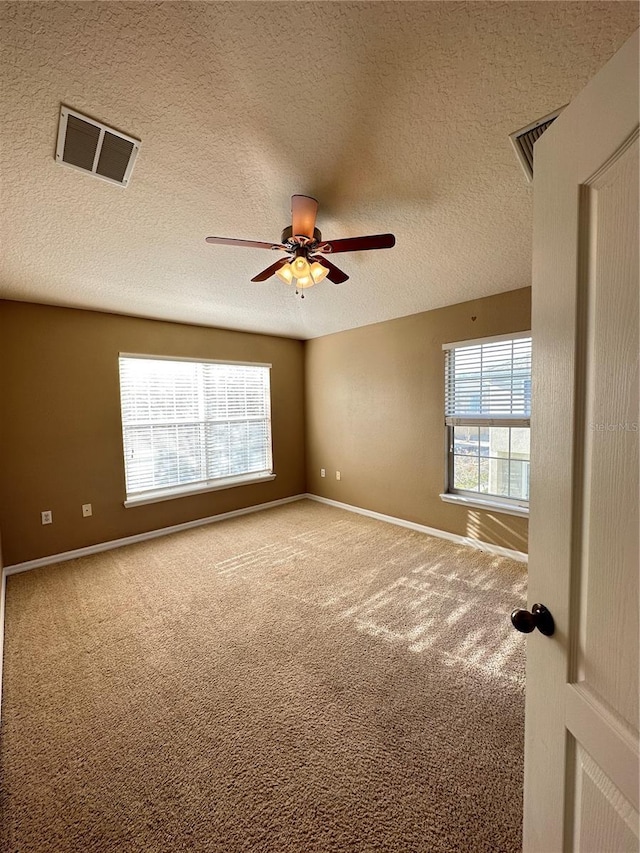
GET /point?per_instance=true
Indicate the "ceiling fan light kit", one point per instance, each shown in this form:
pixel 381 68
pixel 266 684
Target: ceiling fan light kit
pixel 285 274
pixel 302 272
pixel 318 272
pixel 306 263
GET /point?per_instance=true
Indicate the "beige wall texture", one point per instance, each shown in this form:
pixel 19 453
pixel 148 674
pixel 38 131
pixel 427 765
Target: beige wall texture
pixel 373 407
pixel 61 435
pixel 375 412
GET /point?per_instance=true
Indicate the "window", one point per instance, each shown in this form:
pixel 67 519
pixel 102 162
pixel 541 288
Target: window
pixel 487 412
pixel 191 426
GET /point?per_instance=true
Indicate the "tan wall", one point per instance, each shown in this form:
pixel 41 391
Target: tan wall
pixel 375 412
pixel 60 430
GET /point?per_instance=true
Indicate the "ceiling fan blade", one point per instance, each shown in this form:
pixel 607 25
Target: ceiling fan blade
pixel 304 210
pixel 272 270
pixel 335 275
pixel 359 244
pixel 251 244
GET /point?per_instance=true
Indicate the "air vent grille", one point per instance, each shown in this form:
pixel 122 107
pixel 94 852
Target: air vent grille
pixel 80 143
pixel 114 157
pixel 524 139
pixel 86 144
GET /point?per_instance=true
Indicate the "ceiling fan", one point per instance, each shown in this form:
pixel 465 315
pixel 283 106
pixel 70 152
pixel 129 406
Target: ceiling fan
pixel 306 263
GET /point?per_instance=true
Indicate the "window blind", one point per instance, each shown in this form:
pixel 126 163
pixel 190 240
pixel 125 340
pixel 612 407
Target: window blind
pixel 488 381
pixel 188 422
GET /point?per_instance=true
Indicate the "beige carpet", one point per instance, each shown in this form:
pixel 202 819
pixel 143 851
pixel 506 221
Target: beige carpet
pixel 303 679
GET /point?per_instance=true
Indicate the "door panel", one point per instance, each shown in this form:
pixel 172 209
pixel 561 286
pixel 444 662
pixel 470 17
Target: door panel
pixel 609 563
pixel 604 820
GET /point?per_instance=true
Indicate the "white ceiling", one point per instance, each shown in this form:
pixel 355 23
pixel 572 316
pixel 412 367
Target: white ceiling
pixel 394 115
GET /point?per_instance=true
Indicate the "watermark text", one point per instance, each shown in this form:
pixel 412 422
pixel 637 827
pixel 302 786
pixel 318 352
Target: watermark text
pixel 621 426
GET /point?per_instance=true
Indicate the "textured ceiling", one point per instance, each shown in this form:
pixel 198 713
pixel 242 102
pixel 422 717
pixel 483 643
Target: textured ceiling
pixel 394 115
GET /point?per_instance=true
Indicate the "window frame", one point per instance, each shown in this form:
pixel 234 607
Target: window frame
pixel 164 493
pixel 467 497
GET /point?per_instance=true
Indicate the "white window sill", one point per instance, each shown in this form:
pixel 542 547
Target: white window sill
pixel 196 489
pixel 489 505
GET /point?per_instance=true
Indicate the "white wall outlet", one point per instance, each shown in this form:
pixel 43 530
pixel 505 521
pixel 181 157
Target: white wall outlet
pixel 47 516
pixel 323 472
pixel 337 475
pixel 86 510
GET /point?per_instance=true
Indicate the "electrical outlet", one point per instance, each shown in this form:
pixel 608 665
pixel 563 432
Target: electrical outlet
pixel 86 510
pixel 47 516
pixel 323 473
pixel 337 475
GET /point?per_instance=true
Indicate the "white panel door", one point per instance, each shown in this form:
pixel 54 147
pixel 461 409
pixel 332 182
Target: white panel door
pixel 581 741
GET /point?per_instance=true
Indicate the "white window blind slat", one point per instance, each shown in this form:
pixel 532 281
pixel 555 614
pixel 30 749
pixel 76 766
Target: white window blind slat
pixel 187 422
pixel 490 379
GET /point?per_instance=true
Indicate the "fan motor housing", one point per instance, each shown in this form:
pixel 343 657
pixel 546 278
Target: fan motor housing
pixel 287 234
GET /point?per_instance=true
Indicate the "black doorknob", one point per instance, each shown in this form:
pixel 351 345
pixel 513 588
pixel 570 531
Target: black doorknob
pixel 539 618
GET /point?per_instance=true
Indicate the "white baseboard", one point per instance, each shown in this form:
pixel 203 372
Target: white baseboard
pixel 140 537
pixel 431 531
pixel 165 531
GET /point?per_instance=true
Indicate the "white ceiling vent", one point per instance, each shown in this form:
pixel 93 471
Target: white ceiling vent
pixel 86 144
pixel 524 139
